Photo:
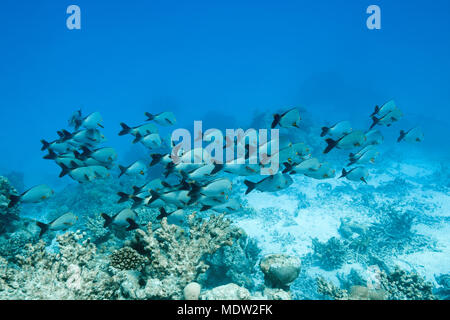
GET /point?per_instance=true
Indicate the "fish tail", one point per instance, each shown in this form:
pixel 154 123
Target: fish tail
pixel 402 135
pixel 344 173
pixel 217 168
pixel 163 213
pixel 138 138
pixel 123 197
pixel 45 145
pixel 155 196
pixel 64 170
pixel 125 129
pixel 149 116
pixel 324 131
pixel 51 155
pixel 122 170
pixel 276 120
pixel 375 121
pixel 13 200
pixel 195 189
pixel 205 207
pixel 44 228
pixel 136 189
pixel 156 158
pixel 132 225
pixel 288 167
pixel 108 220
pixel 250 186
pixel 377 109
pixel 331 144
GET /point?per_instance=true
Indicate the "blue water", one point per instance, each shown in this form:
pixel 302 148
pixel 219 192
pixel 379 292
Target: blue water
pixel 220 62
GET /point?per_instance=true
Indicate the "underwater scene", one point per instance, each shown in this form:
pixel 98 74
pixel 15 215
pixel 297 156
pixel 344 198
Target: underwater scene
pixel 226 150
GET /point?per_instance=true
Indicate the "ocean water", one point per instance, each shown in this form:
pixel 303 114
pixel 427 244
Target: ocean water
pixel 230 65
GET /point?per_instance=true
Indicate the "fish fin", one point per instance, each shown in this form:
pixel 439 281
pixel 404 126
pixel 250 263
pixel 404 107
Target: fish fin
pixel 344 173
pixel 108 220
pixel 137 189
pixel 205 207
pixel 288 167
pixel 324 131
pixel 73 164
pixel 13 200
pixel 86 152
pixel 276 120
pixel 169 169
pixel 122 170
pixel 123 197
pixel 45 145
pixel 138 138
pixel 402 135
pixel 375 121
pixel 165 184
pixel 44 227
pixel 250 186
pixel 331 144
pixel 87 177
pixel 155 196
pixel 125 129
pixel 377 109
pixel 363 180
pixel 149 116
pixel 132 225
pixel 51 155
pixel 163 213
pixel 64 170
pixel 217 168
pixel 195 189
pixel 156 158
pixel 67 134
pixel 100 125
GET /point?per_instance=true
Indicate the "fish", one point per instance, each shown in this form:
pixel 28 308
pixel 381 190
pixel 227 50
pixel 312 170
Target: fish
pixel 151 141
pixel 91 121
pixel 124 218
pixel 33 195
pixel 411 136
pixel 354 139
pixel 75 118
pixel 65 158
pixel 230 206
pixel 271 183
pixel 179 198
pixel 325 171
pixel 204 172
pixel 87 136
pixel 217 187
pixel 289 119
pixel 63 222
pixel 102 155
pixel 338 130
pixel 175 217
pixel 311 164
pixel 356 174
pixel 384 109
pixel 166 118
pixel 136 168
pixel 80 174
pixel 388 119
pixel 56 146
pixel 143 130
pixel 367 155
pixel 374 137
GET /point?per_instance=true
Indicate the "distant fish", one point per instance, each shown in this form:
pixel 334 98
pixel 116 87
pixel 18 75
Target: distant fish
pixel 136 168
pixel 271 183
pixel 374 137
pixel 388 119
pixel 325 171
pixel 356 174
pixel 61 223
pixel 124 218
pixel 35 194
pixel 349 141
pixel 289 119
pixel 338 130
pixel 230 206
pixel 366 155
pixel 307 165
pixel 83 174
pixel 384 109
pixel 166 118
pixel 143 130
pixel 411 136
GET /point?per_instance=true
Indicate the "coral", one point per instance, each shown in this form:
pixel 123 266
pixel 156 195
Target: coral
pixel 331 254
pixel 444 282
pixel 402 285
pixel 7 215
pixel 72 273
pixel 229 291
pixel 330 290
pixel 175 258
pixel 126 258
pixel 236 264
pixel 192 291
pixel 280 270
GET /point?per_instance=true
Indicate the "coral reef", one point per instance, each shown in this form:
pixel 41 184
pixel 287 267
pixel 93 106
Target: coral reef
pixel 7 215
pixel 331 254
pixel 126 259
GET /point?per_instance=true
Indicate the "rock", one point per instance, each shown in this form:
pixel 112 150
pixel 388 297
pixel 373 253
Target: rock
pixel 280 270
pixel 229 291
pixel 277 294
pixel 192 291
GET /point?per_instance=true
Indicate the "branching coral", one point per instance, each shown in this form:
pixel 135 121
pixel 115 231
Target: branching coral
pixel 331 254
pixel 176 257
